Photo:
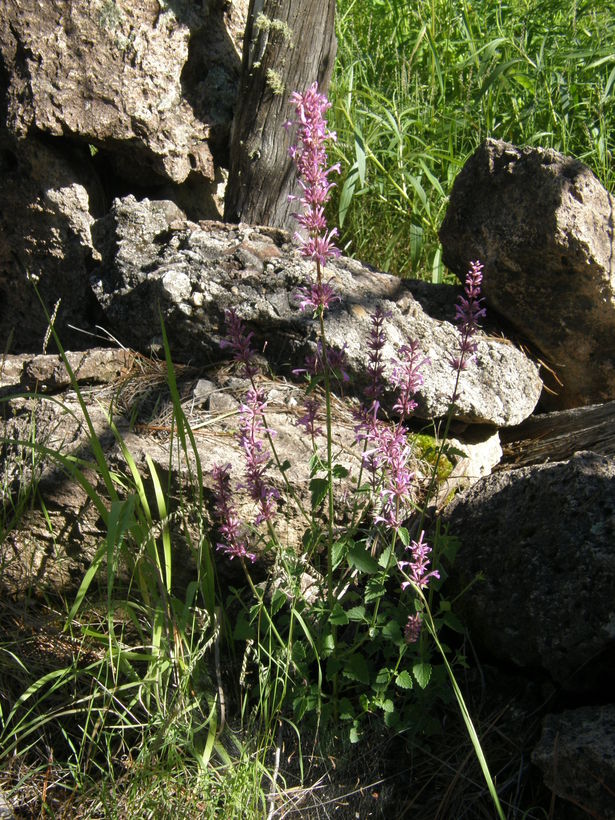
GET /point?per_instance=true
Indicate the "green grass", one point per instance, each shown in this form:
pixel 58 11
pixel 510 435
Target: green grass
pixel 420 83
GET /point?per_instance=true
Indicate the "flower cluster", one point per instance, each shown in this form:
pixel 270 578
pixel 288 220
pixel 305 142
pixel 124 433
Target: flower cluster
pixel 315 363
pixel 229 526
pixel 257 456
pixel 310 156
pixel 252 430
pixel 413 627
pixel 468 311
pixel 240 343
pixel 308 420
pixel 392 458
pixel 417 568
pixel 387 451
pixel 316 296
pixel 407 377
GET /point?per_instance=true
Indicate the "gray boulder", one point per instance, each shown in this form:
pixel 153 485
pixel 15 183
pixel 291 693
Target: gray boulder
pixel 160 100
pixel 542 537
pixel 47 198
pixel 155 264
pixel 576 754
pixel 542 224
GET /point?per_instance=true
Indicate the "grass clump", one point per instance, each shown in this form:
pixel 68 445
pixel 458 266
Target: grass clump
pixel 419 84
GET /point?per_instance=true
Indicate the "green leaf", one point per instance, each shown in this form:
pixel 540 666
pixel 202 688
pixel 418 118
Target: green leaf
pixel 387 706
pixel 356 668
pixel 356 613
pixel 374 590
pixel 347 194
pixel 404 536
pixel 338 617
pixel 328 645
pixel 404 680
pixel 339 471
pixel 338 553
pixel 345 710
pixel 318 489
pixel 382 680
pixel 278 599
pixel 360 558
pixel 386 559
pixel 354 735
pixel 359 150
pixel 333 667
pixel 422 673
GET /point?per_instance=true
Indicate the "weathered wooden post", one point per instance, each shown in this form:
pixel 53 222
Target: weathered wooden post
pixel 288 45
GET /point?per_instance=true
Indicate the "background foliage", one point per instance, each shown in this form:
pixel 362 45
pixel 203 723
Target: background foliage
pixel 420 83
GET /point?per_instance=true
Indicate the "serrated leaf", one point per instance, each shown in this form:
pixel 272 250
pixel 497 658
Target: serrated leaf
pixel 356 668
pixel 356 613
pixel 388 706
pixel 278 599
pixel 391 720
pixel 404 680
pixel 328 645
pixel 345 710
pixel 359 558
pixel 404 536
pixel 422 673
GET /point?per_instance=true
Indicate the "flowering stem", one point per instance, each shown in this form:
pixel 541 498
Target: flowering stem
pixel 327 379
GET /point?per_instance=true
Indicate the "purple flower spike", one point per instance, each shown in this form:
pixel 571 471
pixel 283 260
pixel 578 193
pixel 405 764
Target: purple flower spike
pixel 251 431
pixel 375 364
pixel 412 630
pixel 407 377
pixel 417 568
pixel 310 156
pixel 468 311
pixel 240 343
pixel 229 526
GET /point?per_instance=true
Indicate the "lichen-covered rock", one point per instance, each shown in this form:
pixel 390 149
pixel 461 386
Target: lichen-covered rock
pixel 576 754
pixel 156 265
pixel 151 82
pixel 542 224
pixel 542 538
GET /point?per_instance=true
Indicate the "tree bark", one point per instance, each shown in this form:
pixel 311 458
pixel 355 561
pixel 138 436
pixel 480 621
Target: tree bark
pixel 288 45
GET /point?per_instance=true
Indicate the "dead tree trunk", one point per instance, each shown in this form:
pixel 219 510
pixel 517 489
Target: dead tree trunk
pixel 288 45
